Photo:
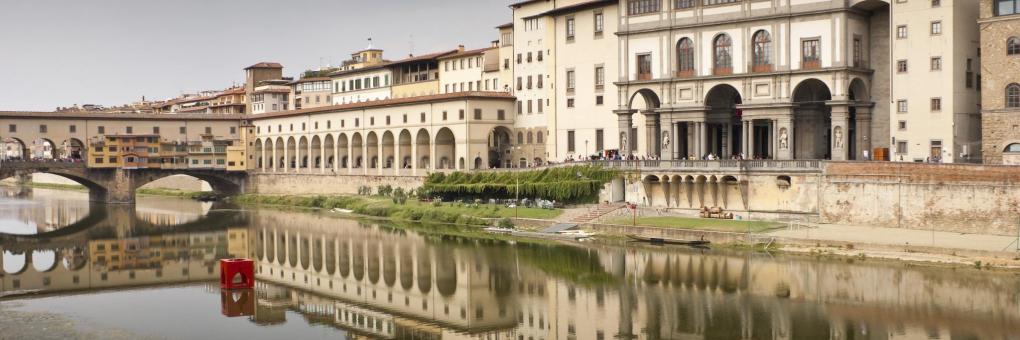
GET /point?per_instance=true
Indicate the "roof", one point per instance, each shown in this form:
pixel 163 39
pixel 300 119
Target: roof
pixel 466 53
pixel 525 2
pixel 388 102
pixel 393 63
pixel 272 90
pixel 506 25
pixel 265 64
pixel 305 80
pixel 236 90
pixel 573 8
pixel 126 116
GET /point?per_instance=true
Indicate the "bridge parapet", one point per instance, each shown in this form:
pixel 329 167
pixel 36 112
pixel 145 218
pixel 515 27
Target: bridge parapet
pixel 33 165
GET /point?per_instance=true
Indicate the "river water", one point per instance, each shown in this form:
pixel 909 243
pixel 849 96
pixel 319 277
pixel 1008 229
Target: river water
pixel 75 270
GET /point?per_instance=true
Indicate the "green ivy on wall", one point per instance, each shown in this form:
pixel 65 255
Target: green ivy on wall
pixel 572 184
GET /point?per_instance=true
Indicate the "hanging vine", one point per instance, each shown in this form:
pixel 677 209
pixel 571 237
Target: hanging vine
pixel 567 184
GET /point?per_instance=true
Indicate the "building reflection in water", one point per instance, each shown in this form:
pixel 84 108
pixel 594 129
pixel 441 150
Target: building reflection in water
pixel 390 283
pixel 375 281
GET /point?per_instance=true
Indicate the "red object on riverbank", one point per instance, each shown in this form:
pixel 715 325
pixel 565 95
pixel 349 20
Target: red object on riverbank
pixel 237 274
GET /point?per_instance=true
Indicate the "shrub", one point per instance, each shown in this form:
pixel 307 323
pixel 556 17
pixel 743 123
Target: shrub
pixel 399 197
pixel 384 190
pixel 505 223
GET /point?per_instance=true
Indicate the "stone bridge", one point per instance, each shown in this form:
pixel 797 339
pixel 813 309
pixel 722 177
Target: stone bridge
pixel 119 185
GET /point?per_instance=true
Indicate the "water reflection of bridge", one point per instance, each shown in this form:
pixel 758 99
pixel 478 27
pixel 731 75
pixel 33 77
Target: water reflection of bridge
pixel 115 246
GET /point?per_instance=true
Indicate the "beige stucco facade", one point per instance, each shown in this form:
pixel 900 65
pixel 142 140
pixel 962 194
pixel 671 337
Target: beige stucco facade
pixel 935 114
pixel 386 137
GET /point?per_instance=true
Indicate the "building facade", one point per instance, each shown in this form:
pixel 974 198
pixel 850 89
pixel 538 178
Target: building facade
pixel 1000 81
pixel 935 42
pixel 409 136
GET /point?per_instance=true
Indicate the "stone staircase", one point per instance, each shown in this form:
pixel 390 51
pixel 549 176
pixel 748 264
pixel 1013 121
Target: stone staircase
pixel 599 211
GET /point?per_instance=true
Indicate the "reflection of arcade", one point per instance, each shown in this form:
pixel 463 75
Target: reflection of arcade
pixel 111 247
pixel 369 277
pixel 382 283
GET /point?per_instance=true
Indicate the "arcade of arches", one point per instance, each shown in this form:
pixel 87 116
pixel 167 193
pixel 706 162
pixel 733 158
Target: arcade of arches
pixel 812 123
pixel 451 133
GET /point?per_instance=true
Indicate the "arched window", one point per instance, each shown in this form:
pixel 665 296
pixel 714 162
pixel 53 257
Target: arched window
pixel 1013 95
pixel 530 138
pixel 520 138
pixel 538 137
pixel 685 57
pixel 723 54
pixel 762 51
pixel 1013 46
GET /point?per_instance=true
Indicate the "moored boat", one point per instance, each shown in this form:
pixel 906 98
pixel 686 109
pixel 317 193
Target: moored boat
pixel 663 240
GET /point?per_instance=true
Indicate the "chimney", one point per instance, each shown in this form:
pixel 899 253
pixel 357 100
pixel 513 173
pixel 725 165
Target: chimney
pixel 495 43
pixel 460 48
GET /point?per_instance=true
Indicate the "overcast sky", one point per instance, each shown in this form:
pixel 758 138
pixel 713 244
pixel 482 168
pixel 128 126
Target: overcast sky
pixel 64 52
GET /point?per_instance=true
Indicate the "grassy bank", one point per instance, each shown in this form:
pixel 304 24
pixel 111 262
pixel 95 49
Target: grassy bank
pixel 380 206
pixel 698 223
pixel 171 193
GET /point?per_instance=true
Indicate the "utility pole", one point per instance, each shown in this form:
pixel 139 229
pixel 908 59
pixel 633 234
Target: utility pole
pixel 517 195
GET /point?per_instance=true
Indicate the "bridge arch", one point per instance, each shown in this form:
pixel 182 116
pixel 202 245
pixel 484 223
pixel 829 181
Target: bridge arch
pixel 14 149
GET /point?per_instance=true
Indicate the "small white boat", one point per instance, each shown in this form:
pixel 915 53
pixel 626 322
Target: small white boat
pixel 342 211
pixel 577 233
pixel 495 230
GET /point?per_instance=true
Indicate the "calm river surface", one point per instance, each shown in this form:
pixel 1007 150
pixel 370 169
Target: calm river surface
pixel 75 270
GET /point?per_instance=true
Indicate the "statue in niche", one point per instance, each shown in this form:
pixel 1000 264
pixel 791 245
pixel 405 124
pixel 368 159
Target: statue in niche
pixel 665 140
pixel 784 139
pixel 838 136
pixel 623 141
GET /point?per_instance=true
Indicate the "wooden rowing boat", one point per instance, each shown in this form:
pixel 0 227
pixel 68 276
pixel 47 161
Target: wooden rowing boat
pixel 662 240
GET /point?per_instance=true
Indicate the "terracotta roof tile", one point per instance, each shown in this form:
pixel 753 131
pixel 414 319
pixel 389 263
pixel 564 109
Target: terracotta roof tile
pixel 265 64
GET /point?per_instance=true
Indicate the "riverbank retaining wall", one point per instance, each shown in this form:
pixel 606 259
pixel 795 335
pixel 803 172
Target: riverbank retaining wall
pixel 324 184
pixel 942 197
pixel 963 198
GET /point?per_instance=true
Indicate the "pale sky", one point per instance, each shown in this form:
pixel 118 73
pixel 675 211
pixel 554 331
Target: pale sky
pixel 110 52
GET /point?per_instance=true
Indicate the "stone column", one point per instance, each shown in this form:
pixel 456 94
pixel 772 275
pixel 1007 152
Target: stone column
pixel 863 137
pixel 746 135
pixel 784 137
pixel 414 158
pixel 380 157
pixel 398 163
pixel 323 157
pixel 286 156
pixel 652 143
pixel 702 139
pixel 840 131
pixel 772 138
pixel 730 147
pixel 625 119
pixel 350 156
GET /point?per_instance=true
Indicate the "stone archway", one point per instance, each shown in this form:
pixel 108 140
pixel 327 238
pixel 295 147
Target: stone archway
pixel 640 135
pixel 446 149
pixel 812 121
pixel 500 147
pixel 725 132
pixel 423 148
